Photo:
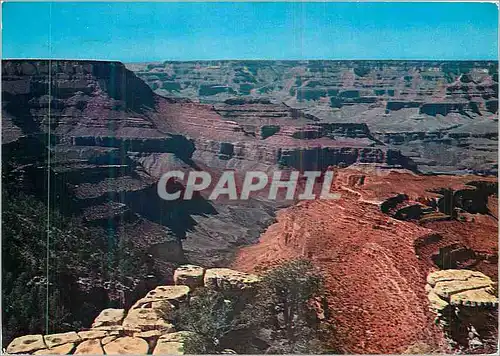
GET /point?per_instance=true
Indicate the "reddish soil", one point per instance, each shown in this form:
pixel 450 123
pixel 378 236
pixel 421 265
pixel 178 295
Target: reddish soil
pixel 374 266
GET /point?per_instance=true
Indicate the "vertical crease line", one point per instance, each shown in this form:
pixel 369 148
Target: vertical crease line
pixel 47 304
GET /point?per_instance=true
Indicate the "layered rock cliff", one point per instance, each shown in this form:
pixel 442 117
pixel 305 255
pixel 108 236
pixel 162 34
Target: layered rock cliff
pixel 110 138
pixel 92 140
pixel 442 114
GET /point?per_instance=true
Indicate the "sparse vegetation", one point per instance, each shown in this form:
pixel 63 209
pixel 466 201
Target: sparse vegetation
pixel 277 320
pixel 77 254
pixel 284 303
pixel 211 316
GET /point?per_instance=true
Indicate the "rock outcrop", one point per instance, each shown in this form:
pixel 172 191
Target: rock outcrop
pixel 228 280
pixel 90 347
pixel 59 339
pixel 375 266
pixel 109 317
pixel 189 275
pixel 465 305
pixel 460 288
pixel 26 344
pixel 127 345
pixel 146 328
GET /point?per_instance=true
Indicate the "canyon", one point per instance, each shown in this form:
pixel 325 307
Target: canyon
pixel 413 146
pixel 440 114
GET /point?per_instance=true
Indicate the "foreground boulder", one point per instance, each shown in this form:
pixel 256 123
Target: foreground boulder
pixel 147 319
pixel 460 287
pixel 62 338
pixel 108 339
pixel 189 275
pixel 90 347
pixel 109 317
pixel 466 307
pixel 26 344
pixel 227 280
pixel 165 298
pixel 126 346
pixel 154 311
pixel 177 293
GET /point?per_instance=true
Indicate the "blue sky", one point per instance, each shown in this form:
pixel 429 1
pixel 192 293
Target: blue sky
pixel 133 32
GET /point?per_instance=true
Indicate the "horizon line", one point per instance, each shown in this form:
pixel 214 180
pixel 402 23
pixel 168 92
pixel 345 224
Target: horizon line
pixel 261 60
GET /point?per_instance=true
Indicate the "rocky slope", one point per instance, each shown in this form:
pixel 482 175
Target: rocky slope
pixel 143 329
pixel 376 246
pixel 441 114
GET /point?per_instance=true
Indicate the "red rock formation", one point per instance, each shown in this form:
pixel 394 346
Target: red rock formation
pixel 374 265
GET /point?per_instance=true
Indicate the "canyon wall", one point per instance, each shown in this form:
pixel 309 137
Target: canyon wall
pixel 442 114
pixel 92 138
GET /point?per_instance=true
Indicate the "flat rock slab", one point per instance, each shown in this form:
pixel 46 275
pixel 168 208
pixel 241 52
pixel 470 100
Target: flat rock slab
pixel 228 279
pixel 127 346
pixel 474 298
pixel 64 349
pixel 26 344
pixel 448 288
pixel 109 317
pixel 453 275
pixel 62 338
pixel 90 347
pixel 145 320
pixel 92 334
pixel 189 275
pixel 172 293
pixel 459 287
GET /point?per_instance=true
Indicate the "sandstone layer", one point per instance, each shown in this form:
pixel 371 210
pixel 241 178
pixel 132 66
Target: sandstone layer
pixel 144 330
